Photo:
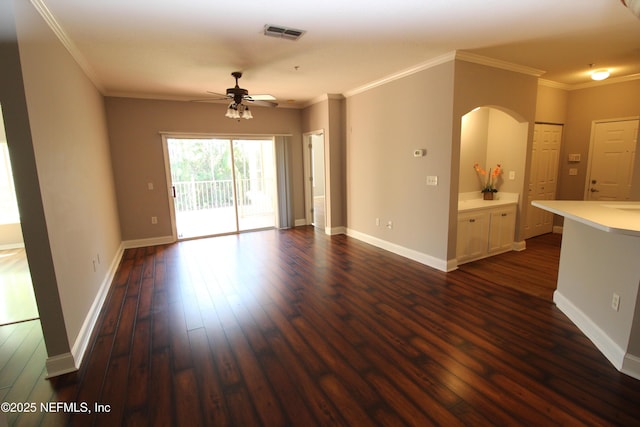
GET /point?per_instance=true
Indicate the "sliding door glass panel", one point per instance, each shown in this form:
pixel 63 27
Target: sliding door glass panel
pixel 202 179
pixel 254 162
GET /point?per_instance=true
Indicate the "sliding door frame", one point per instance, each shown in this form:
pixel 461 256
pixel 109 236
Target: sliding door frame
pixel 279 167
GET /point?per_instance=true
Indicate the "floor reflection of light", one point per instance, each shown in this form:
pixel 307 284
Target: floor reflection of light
pixel 17 300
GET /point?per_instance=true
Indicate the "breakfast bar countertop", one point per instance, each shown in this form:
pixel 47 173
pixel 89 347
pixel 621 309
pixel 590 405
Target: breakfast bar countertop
pixel 609 216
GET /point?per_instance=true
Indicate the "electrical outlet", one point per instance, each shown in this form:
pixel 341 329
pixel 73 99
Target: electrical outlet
pixel 154 220
pixel 615 302
pixel 390 225
pixel 377 222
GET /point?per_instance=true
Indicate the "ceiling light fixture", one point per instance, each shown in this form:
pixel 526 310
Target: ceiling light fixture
pixel 600 74
pixel 238 111
pixel 633 6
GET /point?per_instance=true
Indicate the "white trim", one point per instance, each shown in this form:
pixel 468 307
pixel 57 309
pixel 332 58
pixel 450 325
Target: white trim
pixel 551 83
pixel 323 97
pixel 519 246
pixel 613 80
pixel 613 352
pixel 335 230
pixel 153 241
pixel 422 258
pixel 60 365
pixel 631 366
pixel 558 229
pixel 66 41
pixel 206 135
pixel 450 56
pixel 83 340
pixel 300 223
pixel 497 63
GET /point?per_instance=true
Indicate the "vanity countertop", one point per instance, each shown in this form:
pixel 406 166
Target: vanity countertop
pixel 474 201
pixel 611 217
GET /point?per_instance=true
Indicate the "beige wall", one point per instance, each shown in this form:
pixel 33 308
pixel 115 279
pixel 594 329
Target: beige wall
pixel 136 149
pixel 584 106
pixel 384 126
pixel 67 205
pixel 551 104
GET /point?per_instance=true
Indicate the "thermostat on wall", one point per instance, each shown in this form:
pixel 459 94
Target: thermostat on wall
pixel 421 152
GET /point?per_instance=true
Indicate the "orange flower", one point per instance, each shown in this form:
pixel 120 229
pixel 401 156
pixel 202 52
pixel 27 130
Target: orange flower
pixel 488 184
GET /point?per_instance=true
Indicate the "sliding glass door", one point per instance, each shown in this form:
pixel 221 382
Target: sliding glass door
pixel 221 186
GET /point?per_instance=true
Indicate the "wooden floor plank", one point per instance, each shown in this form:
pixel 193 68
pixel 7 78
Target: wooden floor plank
pixel 298 328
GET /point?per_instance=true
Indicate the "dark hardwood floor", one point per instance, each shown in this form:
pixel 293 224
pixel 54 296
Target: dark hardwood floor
pixel 533 271
pixel 297 328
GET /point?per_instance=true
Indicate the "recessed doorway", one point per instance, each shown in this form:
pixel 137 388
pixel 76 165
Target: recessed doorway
pixel 17 299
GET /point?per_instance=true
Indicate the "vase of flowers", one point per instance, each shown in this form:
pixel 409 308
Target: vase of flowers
pixel 488 180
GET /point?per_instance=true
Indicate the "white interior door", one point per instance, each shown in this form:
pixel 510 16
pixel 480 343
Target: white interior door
pixel 613 149
pixel 543 180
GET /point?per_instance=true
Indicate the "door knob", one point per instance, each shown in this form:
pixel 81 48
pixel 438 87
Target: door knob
pixel 593 190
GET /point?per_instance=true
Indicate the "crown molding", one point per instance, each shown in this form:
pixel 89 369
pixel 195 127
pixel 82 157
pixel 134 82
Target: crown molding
pixel 71 47
pixel 609 81
pixel 321 98
pixel 555 85
pixel 497 63
pixel 450 56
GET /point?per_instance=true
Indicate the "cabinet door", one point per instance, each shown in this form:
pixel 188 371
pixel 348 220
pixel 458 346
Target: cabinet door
pixel 502 229
pixel 473 232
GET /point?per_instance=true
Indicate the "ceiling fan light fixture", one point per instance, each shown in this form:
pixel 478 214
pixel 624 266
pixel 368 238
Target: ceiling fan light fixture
pixel 600 74
pixel 246 114
pixel 232 111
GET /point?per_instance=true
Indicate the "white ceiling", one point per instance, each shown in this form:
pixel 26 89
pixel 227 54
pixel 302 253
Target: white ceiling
pixel 180 49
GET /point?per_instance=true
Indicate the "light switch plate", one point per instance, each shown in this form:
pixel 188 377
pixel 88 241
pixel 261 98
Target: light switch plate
pixel 573 171
pixel 432 180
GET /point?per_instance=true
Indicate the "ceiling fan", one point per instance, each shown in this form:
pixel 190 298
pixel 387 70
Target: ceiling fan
pixel 239 98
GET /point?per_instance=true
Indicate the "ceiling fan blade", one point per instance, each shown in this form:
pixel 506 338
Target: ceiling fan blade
pixel 263 97
pixel 260 102
pixel 221 95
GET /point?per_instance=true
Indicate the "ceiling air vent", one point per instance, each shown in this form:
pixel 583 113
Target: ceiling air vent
pixel 283 32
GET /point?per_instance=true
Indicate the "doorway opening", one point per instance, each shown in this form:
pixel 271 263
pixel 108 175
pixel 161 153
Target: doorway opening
pixel 315 188
pixel 17 299
pixel 221 185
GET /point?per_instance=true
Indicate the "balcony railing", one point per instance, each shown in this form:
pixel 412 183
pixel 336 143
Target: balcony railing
pixel 255 196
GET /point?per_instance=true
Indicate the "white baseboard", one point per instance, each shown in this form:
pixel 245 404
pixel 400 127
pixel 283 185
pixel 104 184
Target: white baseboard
pixel 557 229
pixel 631 366
pixel 60 365
pixel 299 222
pixel 622 361
pixel 82 341
pixel 414 255
pixel 335 230
pixel 153 241
pixel 519 246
